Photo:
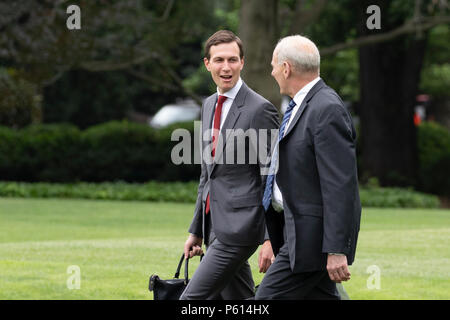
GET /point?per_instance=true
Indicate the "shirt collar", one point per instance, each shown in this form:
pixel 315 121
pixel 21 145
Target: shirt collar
pixel 304 91
pixel 231 94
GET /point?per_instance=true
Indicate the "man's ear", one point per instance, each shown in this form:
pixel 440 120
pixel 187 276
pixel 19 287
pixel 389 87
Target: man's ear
pixel 206 62
pixel 286 70
pixel 242 63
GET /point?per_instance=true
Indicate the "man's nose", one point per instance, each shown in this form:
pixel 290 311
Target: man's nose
pixel 226 66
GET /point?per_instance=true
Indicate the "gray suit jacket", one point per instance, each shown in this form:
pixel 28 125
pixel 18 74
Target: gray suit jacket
pixel 235 189
pixel 318 179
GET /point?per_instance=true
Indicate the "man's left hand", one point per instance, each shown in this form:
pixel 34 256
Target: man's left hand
pixel 337 268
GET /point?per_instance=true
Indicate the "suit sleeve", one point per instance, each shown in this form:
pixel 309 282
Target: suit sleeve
pixel 334 143
pixel 196 226
pixel 267 119
pixel 197 221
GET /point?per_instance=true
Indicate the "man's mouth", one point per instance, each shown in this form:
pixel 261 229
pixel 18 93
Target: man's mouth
pixel 226 77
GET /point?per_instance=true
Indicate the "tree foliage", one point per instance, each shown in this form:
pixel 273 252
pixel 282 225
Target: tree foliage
pixel 136 55
pixel 129 42
pixel 19 101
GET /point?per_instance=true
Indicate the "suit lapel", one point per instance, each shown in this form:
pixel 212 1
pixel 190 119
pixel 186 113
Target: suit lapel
pixel 319 85
pixel 230 121
pixel 209 111
pixel 207 123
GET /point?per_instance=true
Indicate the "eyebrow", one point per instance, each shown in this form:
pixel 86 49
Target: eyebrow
pixel 229 58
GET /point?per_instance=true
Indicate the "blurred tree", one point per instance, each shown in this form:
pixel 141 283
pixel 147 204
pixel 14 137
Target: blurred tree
pixel 390 61
pixel 155 42
pixel 435 78
pixel 159 43
pixel 86 98
pixel 19 101
pixel 390 76
pixel 389 73
pixel 259 31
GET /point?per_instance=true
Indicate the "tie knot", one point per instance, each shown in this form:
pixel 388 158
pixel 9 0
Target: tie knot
pixel 221 99
pixel 292 104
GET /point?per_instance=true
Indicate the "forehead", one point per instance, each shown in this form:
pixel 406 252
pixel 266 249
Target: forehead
pixel 274 58
pixel 224 50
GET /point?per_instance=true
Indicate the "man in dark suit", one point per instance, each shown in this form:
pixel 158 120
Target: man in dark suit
pixel 228 215
pixel 312 202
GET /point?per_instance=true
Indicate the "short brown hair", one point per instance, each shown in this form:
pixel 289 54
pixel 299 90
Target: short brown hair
pixel 223 36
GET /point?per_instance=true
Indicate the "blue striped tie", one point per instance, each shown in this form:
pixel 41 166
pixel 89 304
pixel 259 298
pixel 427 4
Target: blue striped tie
pixel 267 198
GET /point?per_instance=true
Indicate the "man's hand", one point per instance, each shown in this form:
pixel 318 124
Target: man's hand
pixel 265 257
pixel 337 268
pixel 193 246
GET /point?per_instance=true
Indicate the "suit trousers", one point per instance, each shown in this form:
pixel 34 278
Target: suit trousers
pixel 224 272
pixel 280 283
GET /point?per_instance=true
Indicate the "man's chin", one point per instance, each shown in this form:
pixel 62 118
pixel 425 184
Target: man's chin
pixel 226 87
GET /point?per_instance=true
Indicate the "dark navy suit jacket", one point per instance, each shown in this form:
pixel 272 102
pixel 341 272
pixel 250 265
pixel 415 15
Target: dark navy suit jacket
pixel 318 179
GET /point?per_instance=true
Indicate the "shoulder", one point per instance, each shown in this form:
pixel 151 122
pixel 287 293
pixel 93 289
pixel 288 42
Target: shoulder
pixel 326 96
pixel 210 99
pixel 253 96
pixel 256 102
pixel 330 112
pixel 327 101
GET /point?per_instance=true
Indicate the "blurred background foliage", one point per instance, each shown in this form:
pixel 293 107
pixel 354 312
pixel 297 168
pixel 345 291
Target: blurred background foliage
pixel 69 99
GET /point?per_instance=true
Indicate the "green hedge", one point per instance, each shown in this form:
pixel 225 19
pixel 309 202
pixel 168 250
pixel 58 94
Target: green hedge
pixel 151 191
pixel 434 158
pixel 187 192
pixel 108 152
pixel 397 198
pixel 123 151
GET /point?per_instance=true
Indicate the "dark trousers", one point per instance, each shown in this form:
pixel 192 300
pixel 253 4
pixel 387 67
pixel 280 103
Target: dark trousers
pixel 223 274
pixel 280 283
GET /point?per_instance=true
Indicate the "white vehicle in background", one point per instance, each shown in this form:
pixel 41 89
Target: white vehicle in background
pixel 181 111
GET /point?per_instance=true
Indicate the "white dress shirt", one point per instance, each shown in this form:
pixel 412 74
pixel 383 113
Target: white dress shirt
pixel 231 95
pixel 277 197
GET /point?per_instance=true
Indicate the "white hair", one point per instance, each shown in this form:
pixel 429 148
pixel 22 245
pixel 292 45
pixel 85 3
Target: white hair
pixel 300 52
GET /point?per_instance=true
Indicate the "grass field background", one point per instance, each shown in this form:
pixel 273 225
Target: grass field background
pixel 118 245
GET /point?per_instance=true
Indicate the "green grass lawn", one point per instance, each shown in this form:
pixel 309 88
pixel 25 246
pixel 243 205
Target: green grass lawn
pixel 117 245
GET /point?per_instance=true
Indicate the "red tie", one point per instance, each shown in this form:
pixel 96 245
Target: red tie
pixel 217 115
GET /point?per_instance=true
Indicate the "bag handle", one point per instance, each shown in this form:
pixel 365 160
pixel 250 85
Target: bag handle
pixel 177 273
pixel 186 272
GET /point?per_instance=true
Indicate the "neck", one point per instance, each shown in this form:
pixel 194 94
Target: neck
pixel 298 83
pixel 221 92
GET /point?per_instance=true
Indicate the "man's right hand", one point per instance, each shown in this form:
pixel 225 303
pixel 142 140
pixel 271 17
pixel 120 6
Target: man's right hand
pixel 265 257
pixel 193 246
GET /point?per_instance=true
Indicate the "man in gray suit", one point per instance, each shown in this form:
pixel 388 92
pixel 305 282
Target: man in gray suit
pixel 228 215
pixel 312 202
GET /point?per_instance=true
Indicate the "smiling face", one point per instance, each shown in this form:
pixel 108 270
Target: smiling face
pixel 225 65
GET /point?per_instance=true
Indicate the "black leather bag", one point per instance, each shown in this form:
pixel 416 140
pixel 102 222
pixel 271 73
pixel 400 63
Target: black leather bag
pixel 173 288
